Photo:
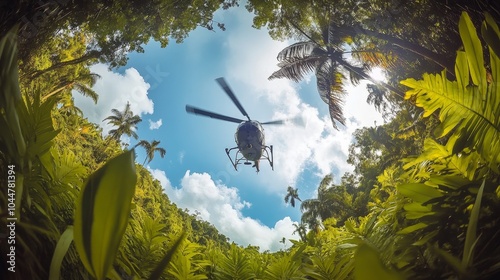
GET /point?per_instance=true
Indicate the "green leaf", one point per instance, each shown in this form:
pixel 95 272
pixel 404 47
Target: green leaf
pixel 470 238
pixel 417 215
pixel 419 192
pixel 369 266
pixel 10 97
pixel 412 228
pixel 426 238
pixel 491 33
pixel 462 70
pixel 417 207
pixel 451 181
pixel 102 212
pixel 453 261
pixel 156 274
pixel 473 49
pixel 416 210
pixel 59 253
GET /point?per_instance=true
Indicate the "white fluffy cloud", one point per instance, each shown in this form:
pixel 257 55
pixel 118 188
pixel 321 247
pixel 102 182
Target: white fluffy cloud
pixel 115 90
pixel 221 206
pixel 155 125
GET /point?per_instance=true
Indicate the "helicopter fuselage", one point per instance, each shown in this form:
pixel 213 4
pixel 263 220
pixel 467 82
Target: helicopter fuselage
pixel 250 140
pixel 249 135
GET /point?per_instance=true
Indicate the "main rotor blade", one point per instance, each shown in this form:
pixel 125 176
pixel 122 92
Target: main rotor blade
pixel 197 111
pixel 231 95
pixel 274 122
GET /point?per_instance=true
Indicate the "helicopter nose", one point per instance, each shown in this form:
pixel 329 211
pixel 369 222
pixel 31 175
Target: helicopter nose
pixel 249 146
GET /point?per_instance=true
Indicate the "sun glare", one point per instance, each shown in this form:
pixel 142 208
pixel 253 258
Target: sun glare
pixel 377 74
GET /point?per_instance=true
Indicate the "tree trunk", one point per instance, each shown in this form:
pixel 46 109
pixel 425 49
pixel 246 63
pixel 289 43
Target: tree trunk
pixel 86 57
pixel 57 90
pixel 414 48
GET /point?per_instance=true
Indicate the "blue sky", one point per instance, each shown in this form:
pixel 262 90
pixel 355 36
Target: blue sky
pixel 196 173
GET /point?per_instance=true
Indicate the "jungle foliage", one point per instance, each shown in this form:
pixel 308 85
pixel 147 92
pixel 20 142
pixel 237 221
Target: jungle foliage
pixel 422 202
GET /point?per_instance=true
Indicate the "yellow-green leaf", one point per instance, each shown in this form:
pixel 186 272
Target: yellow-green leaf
pixel 369 266
pixel 453 261
pixel 425 238
pixel 491 33
pixel 473 49
pixel 102 212
pixel 419 192
pixel 470 238
pixel 412 228
pixel 59 253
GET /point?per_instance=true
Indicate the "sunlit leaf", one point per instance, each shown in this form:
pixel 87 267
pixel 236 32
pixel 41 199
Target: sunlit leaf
pixel 369 266
pixel 470 238
pixel 412 228
pixel 156 274
pixel 425 238
pixel 102 212
pixel 419 192
pixel 59 253
pixel 491 33
pixel 473 50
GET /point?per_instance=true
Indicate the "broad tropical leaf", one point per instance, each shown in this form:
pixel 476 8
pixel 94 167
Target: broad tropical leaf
pixel 165 261
pixel 471 236
pixel 368 265
pixel 10 97
pixel 59 253
pixel 490 33
pixel 102 213
pixel 471 112
pixel 420 193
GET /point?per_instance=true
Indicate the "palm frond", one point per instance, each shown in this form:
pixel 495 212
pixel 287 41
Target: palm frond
pixel 298 50
pixel 354 75
pixel 329 83
pixel 384 57
pixel 86 91
pixel 296 69
pixel 376 96
pixel 92 78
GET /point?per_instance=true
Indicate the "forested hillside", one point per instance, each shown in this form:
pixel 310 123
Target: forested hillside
pixel 423 201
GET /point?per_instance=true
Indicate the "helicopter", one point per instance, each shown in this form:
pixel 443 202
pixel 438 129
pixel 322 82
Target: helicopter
pixel 249 136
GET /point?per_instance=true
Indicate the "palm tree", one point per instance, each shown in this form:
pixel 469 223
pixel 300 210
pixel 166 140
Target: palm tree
pixel 68 106
pixel 151 148
pixel 318 209
pixel 301 229
pixel 125 123
pixel 333 201
pixel 83 84
pixel 326 59
pixel 292 195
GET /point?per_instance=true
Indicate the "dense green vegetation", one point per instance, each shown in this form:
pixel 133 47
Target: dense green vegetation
pixel 422 202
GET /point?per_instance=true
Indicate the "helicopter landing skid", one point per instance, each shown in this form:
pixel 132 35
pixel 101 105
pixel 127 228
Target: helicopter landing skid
pixel 238 157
